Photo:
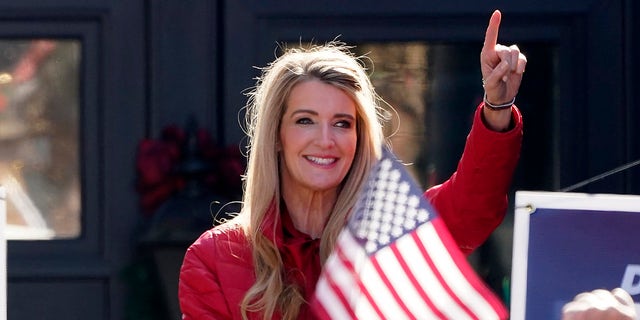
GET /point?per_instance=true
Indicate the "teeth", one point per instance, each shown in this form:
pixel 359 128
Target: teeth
pixel 322 161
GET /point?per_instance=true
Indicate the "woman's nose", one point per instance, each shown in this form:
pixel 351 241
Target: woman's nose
pixel 326 137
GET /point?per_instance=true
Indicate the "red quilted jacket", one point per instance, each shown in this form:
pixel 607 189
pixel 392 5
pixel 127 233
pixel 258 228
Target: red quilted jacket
pixel 218 270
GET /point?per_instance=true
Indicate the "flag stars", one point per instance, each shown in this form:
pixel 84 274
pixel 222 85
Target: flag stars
pixel 381 189
pixel 383 175
pixel 423 215
pixel 397 231
pixel 386 164
pixel 384 239
pixel 413 201
pixel 409 224
pixel 378 204
pixel 412 213
pixel 395 175
pixel 388 207
pixel 392 186
pixel 391 197
pixel 374 226
pixel 401 198
pixel 371 246
pixel 398 220
pixel 387 218
pixel 404 188
pixel 385 227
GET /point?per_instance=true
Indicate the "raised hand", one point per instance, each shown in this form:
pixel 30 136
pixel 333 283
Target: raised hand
pixel 502 67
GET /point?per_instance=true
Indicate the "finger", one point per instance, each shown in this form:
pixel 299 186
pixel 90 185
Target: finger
pixel 491 35
pixel 514 52
pixel 604 297
pixel 522 63
pixel 510 54
pixel 589 299
pixel 503 52
pixel 499 73
pixel 622 296
pixel 592 300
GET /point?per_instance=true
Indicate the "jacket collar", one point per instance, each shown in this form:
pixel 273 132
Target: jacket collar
pixel 279 228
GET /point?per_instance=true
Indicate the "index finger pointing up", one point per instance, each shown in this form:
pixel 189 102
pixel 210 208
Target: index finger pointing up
pixel 491 37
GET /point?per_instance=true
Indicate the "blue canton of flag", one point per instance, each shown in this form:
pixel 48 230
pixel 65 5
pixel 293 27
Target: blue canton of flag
pixel 389 206
pixel 395 259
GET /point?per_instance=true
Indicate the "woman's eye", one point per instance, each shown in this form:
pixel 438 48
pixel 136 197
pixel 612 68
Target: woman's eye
pixel 343 124
pixel 304 121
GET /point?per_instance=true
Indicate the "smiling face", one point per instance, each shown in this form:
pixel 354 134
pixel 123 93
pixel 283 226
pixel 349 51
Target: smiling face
pixel 318 137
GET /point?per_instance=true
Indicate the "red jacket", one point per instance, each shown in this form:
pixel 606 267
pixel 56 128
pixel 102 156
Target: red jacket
pixel 218 270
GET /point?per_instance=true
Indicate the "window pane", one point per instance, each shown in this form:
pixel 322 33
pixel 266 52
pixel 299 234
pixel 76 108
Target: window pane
pixel 39 120
pixel 399 74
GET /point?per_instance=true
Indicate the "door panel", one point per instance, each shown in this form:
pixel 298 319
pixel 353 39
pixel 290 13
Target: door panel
pixel 59 299
pixel 79 276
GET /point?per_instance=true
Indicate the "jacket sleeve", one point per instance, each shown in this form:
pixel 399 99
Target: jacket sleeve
pixel 199 289
pixel 473 201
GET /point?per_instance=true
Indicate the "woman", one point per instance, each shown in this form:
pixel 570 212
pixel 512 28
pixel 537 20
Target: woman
pixel 314 133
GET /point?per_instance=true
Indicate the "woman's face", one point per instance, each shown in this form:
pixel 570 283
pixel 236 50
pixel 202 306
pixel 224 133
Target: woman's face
pixel 318 137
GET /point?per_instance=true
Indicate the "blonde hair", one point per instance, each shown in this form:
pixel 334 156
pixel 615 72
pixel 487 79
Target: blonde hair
pixel 333 64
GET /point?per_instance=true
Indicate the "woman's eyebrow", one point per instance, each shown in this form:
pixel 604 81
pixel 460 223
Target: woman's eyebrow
pixel 315 113
pixel 304 111
pixel 344 115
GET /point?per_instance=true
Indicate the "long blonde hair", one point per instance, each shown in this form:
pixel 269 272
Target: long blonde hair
pixel 333 64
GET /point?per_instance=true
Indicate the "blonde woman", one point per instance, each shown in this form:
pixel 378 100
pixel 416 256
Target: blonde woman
pixel 314 133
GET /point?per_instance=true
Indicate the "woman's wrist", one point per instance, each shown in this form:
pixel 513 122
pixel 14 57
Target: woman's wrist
pixel 497 106
pixel 498 120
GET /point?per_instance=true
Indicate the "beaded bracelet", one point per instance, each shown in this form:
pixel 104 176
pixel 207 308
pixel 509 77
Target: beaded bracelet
pixel 498 106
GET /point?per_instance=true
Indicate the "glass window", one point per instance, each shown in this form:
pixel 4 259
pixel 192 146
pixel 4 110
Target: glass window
pixel 39 149
pixel 398 71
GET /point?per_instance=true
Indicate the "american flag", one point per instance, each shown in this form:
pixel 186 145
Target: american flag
pixel 395 259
